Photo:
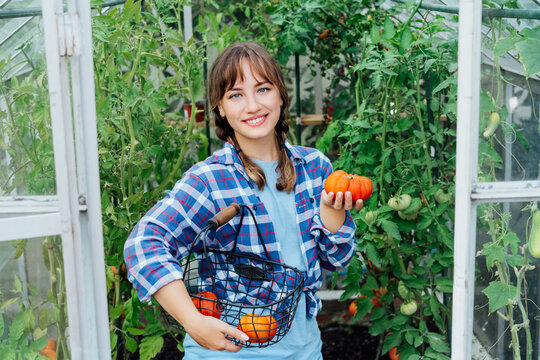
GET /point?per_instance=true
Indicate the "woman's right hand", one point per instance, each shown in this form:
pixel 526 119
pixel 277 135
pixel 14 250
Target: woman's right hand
pixel 209 333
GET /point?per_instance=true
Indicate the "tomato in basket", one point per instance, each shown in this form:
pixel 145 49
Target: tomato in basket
pixel 259 328
pixel 208 305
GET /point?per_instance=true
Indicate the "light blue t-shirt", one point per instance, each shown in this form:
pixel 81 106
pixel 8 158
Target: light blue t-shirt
pixel 303 341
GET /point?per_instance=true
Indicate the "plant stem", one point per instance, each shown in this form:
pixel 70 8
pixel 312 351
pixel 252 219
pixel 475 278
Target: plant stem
pixel 180 159
pixel 422 131
pixel 383 140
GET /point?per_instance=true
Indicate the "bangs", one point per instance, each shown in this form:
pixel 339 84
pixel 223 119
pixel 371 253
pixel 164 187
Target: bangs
pixel 233 71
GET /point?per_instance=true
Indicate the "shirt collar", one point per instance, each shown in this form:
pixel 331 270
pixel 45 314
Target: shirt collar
pixel 229 155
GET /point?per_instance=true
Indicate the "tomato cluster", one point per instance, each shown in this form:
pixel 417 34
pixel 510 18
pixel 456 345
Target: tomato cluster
pixel 360 187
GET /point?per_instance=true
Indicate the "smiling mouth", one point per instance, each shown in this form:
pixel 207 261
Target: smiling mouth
pixel 256 120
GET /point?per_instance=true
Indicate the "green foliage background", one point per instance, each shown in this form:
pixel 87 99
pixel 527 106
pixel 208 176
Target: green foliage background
pixel 392 75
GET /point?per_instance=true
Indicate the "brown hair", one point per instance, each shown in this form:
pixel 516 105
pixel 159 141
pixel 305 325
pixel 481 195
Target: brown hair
pixel 226 69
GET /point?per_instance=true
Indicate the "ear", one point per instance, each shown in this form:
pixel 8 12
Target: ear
pixel 221 110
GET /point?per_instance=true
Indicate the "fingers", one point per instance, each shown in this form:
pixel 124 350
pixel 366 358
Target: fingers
pixel 341 201
pixel 237 334
pixel 359 204
pixel 210 333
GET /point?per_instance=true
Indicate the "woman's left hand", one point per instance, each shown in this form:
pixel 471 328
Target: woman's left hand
pixel 340 201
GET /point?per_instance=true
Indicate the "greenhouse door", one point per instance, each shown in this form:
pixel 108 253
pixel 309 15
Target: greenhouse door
pixel 493 301
pixel 51 241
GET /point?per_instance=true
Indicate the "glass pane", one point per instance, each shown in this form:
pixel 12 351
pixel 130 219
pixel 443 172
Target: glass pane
pixel 33 298
pixel 507 291
pixel 26 150
pixel 509 145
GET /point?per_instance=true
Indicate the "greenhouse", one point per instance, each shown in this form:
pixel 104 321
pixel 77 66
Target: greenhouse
pixel 124 147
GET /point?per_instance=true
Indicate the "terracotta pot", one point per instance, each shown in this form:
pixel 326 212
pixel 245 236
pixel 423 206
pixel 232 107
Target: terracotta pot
pixel 199 116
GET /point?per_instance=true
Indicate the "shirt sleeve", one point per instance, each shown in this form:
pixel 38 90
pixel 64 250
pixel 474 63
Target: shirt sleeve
pixel 335 250
pixel 163 236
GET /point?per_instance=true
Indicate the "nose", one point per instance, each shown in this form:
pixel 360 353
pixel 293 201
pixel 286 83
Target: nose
pixel 252 104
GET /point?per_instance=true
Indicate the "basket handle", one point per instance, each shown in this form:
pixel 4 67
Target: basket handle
pixel 223 216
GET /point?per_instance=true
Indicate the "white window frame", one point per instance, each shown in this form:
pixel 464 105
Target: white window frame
pixel 75 213
pixel 470 192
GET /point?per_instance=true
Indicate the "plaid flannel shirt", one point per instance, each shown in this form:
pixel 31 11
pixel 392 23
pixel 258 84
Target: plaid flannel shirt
pixel 162 238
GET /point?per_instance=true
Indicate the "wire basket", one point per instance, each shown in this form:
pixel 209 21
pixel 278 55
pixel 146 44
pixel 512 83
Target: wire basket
pixel 256 295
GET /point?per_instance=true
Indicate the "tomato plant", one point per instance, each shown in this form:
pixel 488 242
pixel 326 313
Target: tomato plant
pixel 259 328
pixel 393 93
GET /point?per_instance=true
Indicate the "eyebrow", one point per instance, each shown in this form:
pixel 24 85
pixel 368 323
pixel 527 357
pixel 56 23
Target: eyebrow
pixel 256 85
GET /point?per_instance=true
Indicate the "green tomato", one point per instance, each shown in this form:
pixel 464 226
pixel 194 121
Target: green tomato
pixel 400 202
pixel 404 291
pixel 408 308
pixel 441 196
pixel 370 217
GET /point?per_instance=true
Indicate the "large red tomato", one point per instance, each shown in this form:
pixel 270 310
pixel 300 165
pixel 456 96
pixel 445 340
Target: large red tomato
pixel 259 328
pixel 360 187
pixel 208 305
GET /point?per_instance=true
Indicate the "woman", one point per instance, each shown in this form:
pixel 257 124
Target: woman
pixel 303 226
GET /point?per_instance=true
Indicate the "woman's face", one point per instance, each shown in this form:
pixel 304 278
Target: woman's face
pixel 252 107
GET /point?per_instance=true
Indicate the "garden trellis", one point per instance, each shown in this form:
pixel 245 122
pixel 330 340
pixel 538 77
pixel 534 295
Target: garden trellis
pixel 496 182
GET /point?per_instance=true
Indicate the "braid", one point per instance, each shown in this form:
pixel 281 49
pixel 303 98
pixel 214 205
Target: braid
pixel 253 171
pixel 285 168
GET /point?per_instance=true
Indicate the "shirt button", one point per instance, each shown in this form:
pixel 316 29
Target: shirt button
pixel 311 200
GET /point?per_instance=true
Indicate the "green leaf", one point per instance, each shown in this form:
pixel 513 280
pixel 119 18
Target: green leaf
pixel 135 331
pixel 499 295
pixel 9 302
pixel 390 341
pixel 150 347
pixel 373 254
pixel 131 344
pixel 114 339
pixel 443 85
pixel 374 34
pixel 389 29
pixel 17 285
pixel 16 330
pixel 504 45
pixel 379 326
pixel 38 344
pixel 445 235
pixel 437 342
pixel 391 228
pixel 405 40
pixel 493 253
pixel 1 325
pixel 512 240
pixel 398 320
pixel 444 284
pixel 116 312
pixel 533 33
pixel 529 53
pixel 431 353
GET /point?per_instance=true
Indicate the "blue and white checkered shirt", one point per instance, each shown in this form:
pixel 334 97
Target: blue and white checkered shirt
pixel 154 250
